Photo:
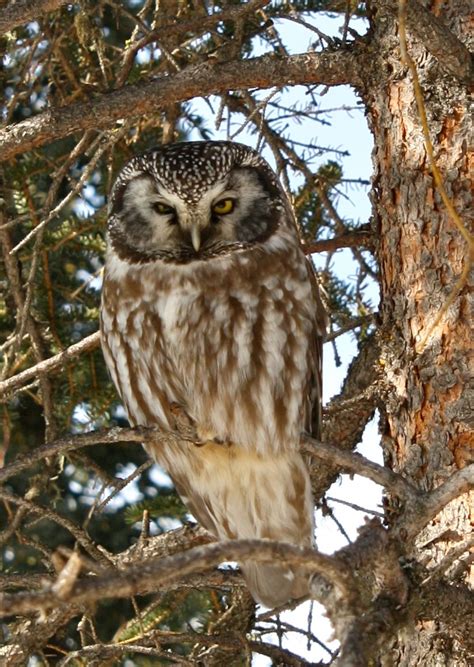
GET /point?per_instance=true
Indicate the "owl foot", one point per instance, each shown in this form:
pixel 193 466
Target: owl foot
pixel 208 437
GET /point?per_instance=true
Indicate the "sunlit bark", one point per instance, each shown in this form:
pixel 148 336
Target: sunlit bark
pixel 422 255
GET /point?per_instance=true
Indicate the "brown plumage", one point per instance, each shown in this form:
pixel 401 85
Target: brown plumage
pixel 209 304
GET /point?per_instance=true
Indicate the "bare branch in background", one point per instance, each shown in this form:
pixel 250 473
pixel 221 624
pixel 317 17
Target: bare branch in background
pixel 195 81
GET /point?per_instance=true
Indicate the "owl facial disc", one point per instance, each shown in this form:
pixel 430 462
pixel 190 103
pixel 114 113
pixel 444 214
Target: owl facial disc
pixel 193 201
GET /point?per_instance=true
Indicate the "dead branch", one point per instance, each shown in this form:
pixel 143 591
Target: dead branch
pixel 29 634
pixel 151 575
pixel 330 68
pixel 356 463
pixel 354 239
pixel 331 454
pixel 365 320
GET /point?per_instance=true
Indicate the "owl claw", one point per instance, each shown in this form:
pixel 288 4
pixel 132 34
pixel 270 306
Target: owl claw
pixel 205 434
pixel 207 437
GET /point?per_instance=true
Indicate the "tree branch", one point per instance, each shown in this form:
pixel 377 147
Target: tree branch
pixel 364 320
pixel 358 464
pixel 336 457
pixel 53 363
pixel 46 513
pixel 329 68
pixel 344 421
pixel 158 637
pixel 353 239
pixel 28 635
pixel 434 502
pixel 150 576
pixel 22 642
pixel 25 321
pixel 73 442
pixel 22 11
pixel 436 37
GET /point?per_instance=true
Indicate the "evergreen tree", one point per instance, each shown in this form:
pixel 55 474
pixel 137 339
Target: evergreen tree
pixel 96 571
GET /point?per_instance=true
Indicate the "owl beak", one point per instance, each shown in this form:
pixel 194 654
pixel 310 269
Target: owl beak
pixel 196 237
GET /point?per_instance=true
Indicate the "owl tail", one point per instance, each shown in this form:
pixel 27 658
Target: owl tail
pixel 280 506
pixel 290 519
pixel 274 585
pixel 237 494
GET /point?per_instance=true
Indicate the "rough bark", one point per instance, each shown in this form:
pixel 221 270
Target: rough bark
pixel 428 408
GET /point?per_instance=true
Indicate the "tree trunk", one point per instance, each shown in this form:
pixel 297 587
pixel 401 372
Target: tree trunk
pixel 422 254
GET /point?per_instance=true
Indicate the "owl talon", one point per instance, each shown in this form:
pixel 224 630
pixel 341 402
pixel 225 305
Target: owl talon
pixel 214 441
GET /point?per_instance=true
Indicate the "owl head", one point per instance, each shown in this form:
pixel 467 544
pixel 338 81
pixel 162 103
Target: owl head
pixel 191 201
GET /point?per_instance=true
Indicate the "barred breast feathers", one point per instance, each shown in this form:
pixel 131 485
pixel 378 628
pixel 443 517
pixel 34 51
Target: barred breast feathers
pixel 215 382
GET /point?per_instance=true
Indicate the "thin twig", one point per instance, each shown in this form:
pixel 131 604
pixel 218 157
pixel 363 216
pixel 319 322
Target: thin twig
pixel 47 513
pixel 106 141
pixel 48 365
pixel 355 463
pixel 354 506
pixel 350 326
pixel 121 484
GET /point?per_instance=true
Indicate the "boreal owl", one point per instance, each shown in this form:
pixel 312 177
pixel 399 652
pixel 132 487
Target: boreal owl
pixel 209 304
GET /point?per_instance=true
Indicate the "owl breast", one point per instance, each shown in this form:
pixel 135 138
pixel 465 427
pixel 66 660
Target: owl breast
pixel 233 350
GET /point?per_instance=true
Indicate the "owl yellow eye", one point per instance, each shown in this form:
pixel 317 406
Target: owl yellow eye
pixel 223 207
pixel 162 209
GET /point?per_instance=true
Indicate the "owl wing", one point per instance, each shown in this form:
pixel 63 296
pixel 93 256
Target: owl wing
pixel 314 414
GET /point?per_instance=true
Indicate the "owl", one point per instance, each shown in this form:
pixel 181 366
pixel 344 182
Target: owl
pixel 209 305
